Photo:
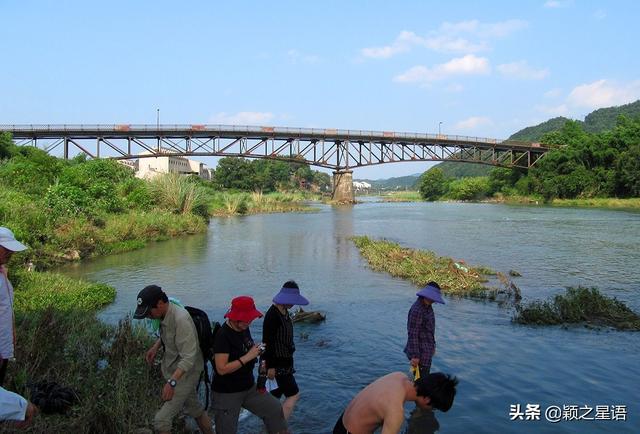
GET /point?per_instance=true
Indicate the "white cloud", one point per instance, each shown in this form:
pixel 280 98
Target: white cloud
pixel 556 4
pixel 553 93
pixel 449 44
pixel 522 70
pixel 448 38
pixel 559 110
pixel 296 57
pixel 467 65
pixel 600 14
pixel 454 88
pixel 604 93
pixel 473 122
pixel 500 29
pixel 242 118
pixel 402 43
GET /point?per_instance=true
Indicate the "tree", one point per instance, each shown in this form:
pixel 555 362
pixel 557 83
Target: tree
pixel 432 184
pixel 234 173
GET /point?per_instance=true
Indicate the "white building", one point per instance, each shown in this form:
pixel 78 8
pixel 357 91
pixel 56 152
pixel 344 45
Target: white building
pixel 361 186
pixel 148 167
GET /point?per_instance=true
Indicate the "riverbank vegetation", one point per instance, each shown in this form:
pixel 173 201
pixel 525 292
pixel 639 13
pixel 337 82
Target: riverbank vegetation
pixel 421 266
pixel 68 210
pixel 242 186
pixel 579 306
pixel 60 339
pixel 401 196
pixel 581 166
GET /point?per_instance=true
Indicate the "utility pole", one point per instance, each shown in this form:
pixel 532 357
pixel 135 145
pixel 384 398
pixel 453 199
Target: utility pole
pixel 158 126
pixel 439 124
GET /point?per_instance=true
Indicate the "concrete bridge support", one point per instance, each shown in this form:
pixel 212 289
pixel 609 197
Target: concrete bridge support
pixel 343 186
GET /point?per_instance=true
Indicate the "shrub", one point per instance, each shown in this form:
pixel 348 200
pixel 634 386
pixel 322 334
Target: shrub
pixel 469 188
pixel 579 305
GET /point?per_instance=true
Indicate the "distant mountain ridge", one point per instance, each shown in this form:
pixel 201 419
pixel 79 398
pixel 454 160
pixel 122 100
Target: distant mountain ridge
pixel 397 183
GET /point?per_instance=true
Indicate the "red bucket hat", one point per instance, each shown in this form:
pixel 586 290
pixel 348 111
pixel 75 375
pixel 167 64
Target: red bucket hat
pixel 243 309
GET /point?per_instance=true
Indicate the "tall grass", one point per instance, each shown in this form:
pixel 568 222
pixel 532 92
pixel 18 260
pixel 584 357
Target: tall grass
pixel 177 193
pixel 235 203
pixel 611 202
pixel 402 196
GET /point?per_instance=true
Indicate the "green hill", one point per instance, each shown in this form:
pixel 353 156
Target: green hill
pixel 399 183
pixel 597 121
pixel 605 118
pixel 535 133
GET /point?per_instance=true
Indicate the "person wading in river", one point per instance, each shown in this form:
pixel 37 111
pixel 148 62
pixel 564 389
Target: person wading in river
pixel 277 334
pixel 381 403
pixel 182 362
pixel 421 329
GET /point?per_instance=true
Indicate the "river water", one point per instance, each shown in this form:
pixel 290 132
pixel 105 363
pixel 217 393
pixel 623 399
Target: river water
pixel 498 363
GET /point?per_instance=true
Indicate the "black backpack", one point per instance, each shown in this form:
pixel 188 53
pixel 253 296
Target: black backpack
pixel 206 334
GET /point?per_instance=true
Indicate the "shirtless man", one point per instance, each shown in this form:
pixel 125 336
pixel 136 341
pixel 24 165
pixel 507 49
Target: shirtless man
pixel 382 402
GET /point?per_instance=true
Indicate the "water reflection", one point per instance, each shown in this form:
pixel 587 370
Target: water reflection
pixel 422 422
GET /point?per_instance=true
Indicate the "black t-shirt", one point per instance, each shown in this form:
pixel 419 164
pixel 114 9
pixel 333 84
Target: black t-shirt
pixel 236 344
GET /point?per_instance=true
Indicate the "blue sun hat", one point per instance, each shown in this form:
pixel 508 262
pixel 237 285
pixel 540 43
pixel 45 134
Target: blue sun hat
pixel 432 292
pixel 290 294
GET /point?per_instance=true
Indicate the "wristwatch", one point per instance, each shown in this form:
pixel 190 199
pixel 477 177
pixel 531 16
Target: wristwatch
pixel 172 382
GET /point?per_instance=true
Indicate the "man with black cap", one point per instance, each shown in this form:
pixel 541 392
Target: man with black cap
pixel 182 362
pixel 8 246
pixel 421 329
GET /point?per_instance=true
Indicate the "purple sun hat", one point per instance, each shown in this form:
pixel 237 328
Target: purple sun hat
pixel 432 292
pixel 290 294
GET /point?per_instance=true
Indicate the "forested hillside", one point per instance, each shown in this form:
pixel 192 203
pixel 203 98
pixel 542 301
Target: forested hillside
pixel 600 120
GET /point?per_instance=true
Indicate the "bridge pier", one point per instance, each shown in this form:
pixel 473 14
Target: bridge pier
pixel 343 187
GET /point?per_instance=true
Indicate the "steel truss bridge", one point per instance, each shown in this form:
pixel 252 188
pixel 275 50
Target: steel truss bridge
pixel 340 150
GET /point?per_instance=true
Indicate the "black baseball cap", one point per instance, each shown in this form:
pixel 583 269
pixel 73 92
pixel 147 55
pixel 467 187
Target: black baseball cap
pixel 147 299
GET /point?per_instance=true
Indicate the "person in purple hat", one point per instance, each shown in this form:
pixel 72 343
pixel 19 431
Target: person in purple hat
pixel 277 333
pixel 233 384
pixel 421 328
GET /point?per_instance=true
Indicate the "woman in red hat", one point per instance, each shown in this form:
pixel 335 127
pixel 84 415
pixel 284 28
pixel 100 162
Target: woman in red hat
pixel 233 385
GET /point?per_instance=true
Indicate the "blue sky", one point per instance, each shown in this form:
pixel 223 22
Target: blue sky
pixel 481 68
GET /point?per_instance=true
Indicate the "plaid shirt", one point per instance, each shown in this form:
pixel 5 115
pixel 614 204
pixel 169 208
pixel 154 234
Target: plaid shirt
pixel 421 329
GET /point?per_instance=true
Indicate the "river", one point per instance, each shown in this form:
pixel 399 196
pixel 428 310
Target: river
pixel 499 364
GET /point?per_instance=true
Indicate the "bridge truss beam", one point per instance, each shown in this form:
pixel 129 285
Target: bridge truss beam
pixel 334 149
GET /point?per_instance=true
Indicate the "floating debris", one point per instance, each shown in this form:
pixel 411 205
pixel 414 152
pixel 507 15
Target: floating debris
pixel 303 316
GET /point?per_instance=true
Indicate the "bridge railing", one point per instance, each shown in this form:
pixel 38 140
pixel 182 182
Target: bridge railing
pixel 256 131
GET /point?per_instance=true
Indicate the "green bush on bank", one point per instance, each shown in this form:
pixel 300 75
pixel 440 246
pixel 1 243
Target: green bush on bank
pixel 579 306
